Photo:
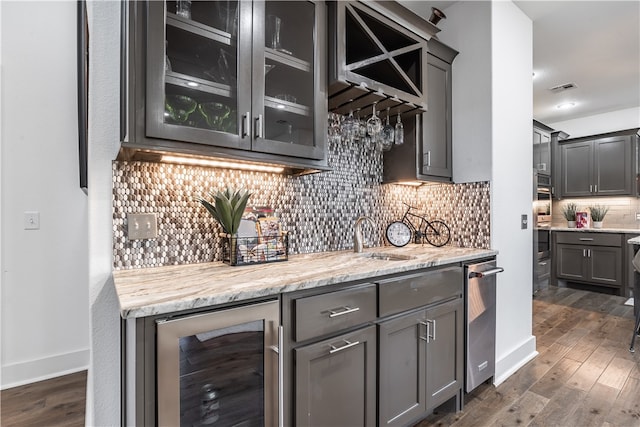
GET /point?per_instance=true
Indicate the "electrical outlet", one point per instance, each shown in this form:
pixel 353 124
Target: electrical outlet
pixel 637 216
pixel 524 221
pixel 142 226
pixel 32 220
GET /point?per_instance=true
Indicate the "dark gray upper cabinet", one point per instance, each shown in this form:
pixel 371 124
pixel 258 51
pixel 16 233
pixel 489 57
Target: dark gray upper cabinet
pixel 542 148
pixel 235 79
pixel 603 165
pixel 428 139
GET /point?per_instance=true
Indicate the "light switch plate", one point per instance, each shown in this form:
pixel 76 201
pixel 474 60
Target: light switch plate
pixel 32 220
pixel 142 226
pixel 524 221
pixel 637 216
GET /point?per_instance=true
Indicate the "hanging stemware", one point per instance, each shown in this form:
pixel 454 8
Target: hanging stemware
pixel 399 132
pixel 374 125
pixel 350 127
pixel 387 134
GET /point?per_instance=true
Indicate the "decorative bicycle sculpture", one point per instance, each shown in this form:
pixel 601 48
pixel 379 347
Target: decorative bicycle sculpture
pixel 435 232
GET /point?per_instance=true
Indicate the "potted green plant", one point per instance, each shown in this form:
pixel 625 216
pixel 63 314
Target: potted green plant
pixel 598 213
pixel 569 212
pixel 227 208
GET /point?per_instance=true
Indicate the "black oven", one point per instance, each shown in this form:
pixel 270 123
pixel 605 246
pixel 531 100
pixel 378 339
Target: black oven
pixel 542 210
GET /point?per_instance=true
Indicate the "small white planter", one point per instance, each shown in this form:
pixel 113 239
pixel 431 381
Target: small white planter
pixel 597 224
pixel 571 224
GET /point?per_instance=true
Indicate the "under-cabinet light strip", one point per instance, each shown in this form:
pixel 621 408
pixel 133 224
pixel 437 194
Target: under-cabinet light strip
pixel 222 164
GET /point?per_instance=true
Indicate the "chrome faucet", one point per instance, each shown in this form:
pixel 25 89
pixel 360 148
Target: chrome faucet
pixel 357 232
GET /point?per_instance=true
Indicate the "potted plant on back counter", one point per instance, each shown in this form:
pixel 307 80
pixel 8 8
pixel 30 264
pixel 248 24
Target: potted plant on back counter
pixel 227 208
pixel 569 212
pixel 598 213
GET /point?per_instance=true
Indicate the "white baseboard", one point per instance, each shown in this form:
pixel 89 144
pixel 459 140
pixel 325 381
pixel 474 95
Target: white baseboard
pixel 514 360
pixel 32 371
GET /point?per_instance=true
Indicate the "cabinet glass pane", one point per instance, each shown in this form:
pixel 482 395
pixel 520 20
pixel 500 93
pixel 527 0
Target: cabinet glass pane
pixel 289 71
pixel 201 65
pixel 221 376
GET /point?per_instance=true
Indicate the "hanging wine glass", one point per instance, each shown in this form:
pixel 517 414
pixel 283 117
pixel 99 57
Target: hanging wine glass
pixel 399 132
pixel 387 134
pixel 374 125
pixel 350 127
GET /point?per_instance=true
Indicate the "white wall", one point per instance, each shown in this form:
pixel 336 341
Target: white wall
pixel 103 390
pixel 44 307
pixel 471 89
pixel 492 114
pixel 512 183
pixel 628 118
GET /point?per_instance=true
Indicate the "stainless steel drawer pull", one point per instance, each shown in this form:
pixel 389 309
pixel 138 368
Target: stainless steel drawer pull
pixel 586 239
pixel 345 310
pixel 347 344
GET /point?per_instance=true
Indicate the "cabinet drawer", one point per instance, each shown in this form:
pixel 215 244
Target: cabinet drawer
pixel 416 290
pixel 591 239
pixel 331 312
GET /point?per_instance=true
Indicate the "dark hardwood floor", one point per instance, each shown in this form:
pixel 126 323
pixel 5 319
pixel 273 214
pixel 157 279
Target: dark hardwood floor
pixel 583 376
pixel 56 402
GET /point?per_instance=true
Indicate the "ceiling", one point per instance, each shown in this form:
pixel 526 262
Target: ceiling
pixel 592 44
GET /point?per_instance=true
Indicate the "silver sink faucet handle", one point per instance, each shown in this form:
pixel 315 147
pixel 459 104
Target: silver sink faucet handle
pixel 357 232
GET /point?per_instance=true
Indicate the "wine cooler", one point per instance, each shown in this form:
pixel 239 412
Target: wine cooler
pixel 220 368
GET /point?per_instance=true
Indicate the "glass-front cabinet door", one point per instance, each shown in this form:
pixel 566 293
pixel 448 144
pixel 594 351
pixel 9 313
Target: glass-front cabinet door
pixel 219 368
pixel 238 74
pixel 197 68
pixel 287 73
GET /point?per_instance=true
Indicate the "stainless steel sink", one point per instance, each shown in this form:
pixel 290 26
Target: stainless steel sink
pixel 387 256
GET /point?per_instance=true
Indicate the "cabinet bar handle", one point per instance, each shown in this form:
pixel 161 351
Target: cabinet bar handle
pixel 425 323
pixel 347 345
pixel 595 188
pixel 429 158
pixel 589 253
pixel 345 310
pixel 586 239
pixel 584 253
pixel 590 188
pixel 433 322
pixel 246 125
pixel 258 131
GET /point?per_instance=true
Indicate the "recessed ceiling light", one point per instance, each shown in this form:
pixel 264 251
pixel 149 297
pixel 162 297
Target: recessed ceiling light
pixel 566 105
pixel 192 84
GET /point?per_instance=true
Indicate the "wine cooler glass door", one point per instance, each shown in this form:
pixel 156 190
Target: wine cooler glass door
pixel 219 368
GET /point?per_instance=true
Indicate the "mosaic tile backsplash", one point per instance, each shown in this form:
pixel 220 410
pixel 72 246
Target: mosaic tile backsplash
pixel 318 210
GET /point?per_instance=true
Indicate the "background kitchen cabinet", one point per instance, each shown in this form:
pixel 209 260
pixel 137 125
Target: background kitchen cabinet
pixel 603 165
pixel 428 139
pixel 589 258
pixel 235 79
pixel 542 148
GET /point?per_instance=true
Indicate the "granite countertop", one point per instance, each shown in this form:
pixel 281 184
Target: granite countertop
pixel 599 230
pixel 151 291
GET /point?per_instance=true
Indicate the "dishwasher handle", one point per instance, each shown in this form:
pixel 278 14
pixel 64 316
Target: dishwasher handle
pixel 481 274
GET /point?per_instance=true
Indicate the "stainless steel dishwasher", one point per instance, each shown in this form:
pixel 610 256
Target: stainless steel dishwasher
pixel 480 320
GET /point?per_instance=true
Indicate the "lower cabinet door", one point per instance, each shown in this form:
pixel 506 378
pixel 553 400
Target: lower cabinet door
pixel 336 381
pixel 444 353
pixel 605 265
pixel 571 262
pixel 402 369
